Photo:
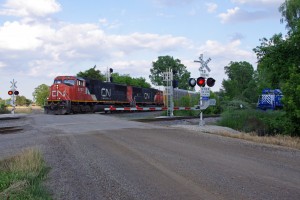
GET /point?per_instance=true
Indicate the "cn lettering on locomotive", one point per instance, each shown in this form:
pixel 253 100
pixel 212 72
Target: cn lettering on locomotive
pixel 105 93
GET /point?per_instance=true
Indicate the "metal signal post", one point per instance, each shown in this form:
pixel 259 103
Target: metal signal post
pixel 168 78
pixel 13 92
pixel 204 92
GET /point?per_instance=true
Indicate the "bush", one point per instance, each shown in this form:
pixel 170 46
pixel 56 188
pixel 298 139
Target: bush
pixel 251 120
pixel 3 108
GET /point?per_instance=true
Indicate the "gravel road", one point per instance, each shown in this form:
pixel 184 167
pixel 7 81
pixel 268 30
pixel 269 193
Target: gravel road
pixel 104 157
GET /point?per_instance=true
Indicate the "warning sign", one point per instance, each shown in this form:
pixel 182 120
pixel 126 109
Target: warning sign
pixel 205 92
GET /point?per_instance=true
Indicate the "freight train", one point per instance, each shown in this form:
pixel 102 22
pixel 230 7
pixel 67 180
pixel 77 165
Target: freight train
pixel 71 94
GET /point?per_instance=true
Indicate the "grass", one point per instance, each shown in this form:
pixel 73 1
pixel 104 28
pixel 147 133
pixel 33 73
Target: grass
pixel 26 109
pixel 280 140
pixel 21 176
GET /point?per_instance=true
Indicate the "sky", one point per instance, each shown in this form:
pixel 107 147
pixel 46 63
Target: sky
pixel 42 39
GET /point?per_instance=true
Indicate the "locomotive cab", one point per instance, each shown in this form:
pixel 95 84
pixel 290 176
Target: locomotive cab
pixel 65 93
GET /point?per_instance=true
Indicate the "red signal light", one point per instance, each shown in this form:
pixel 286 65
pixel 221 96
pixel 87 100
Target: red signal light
pixel 10 92
pixel 201 82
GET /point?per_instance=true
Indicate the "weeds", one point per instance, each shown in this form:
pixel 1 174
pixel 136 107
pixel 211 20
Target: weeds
pixel 280 140
pixel 21 176
pixel 261 122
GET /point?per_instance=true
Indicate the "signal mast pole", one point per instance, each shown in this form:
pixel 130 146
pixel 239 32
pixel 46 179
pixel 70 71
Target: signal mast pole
pixel 203 64
pixel 13 89
pixel 168 77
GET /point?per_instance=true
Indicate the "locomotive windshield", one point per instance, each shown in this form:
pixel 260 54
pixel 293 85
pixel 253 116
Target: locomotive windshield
pixel 65 81
pixel 69 82
pixel 57 81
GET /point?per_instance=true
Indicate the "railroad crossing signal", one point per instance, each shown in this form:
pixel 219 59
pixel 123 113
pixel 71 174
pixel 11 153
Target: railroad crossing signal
pixel 12 92
pixel 13 87
pixel 201 82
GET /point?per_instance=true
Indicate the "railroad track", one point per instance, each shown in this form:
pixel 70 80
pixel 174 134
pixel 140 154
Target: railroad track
pixel 172 118
pixel 10 129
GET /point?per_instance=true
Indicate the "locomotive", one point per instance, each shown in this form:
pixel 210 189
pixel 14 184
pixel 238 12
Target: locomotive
pixel 71 94
pixel 270 99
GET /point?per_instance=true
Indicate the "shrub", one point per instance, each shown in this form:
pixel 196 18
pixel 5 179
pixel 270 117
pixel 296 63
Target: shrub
pixel 251 120
pixel 3 108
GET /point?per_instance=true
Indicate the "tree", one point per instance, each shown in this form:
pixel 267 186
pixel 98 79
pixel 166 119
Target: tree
pixel 274 56
pixel 40 94
pixel 278 65
pixel 162 65
pixel 92 73
pixel 21 100
pixel 241 83
pixel 290 12
pixel 126 79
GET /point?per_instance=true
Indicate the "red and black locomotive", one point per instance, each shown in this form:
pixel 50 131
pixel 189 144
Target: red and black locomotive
pixel 71 94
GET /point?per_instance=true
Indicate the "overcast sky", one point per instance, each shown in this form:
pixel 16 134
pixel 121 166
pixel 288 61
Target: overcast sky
pixel 41 39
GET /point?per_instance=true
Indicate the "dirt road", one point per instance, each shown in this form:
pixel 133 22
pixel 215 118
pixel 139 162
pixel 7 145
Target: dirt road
pixel 103 157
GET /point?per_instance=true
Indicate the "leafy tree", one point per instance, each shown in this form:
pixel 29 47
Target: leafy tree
pixel 21 100
pixel 291 99
pixel 163 64
pixel 40 94
pixel 92 73
pixel 290 12
pixel 274 56
pixel 126 79
pixel 241 83
pixel 279 67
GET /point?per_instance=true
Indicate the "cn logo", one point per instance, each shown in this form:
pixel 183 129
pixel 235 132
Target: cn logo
pixel 105 92
pixel 146 96
pixel 56 93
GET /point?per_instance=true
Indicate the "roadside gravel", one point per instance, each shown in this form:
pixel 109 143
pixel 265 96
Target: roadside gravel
pixel 189 124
